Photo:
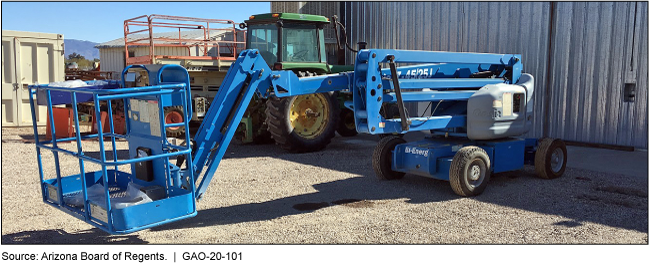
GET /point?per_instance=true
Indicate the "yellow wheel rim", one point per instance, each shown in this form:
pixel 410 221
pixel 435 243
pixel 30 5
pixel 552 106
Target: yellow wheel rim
pixel 309 115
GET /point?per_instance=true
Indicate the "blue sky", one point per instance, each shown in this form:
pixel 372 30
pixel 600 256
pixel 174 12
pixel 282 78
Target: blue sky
pixel 103 21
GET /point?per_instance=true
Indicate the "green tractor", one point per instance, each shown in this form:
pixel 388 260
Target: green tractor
pixel 304 123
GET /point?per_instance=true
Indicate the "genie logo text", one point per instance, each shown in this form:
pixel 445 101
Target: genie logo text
pixel 416 151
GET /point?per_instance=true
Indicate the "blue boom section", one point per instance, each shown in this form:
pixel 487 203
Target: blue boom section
pixel 371 84
pixel 248 74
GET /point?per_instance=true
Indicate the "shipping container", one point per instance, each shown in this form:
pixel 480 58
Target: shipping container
pixel 28 58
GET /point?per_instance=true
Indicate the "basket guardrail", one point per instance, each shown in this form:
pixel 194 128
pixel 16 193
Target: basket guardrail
pixel 174 199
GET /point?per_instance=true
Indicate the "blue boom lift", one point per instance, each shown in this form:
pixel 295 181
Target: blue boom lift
pixel 478 105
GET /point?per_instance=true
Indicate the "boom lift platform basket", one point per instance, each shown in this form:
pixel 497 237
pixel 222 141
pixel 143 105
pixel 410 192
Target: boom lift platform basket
pixel 149 162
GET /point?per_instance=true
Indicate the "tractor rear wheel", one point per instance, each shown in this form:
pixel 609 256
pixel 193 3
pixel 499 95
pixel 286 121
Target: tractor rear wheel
pixel 302 123
pixel 174 114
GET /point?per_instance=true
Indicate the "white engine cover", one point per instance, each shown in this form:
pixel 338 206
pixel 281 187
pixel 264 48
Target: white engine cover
pixel 501 110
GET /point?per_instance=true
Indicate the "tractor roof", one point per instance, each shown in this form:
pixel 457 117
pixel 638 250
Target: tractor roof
pixel 288 16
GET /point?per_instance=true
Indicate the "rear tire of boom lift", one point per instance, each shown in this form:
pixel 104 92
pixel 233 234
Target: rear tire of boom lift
pixel 550 158
pixel 469 171
pixel 296 127
pixel 382 158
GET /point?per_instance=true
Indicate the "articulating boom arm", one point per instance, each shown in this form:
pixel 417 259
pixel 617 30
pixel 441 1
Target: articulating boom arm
pixel 248 74
pixel 371 83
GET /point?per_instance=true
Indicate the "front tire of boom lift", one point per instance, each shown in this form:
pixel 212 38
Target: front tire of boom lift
pixel 302 123
pixel 174 114
pixel 469 171
pixel 550 158
pixel 382 158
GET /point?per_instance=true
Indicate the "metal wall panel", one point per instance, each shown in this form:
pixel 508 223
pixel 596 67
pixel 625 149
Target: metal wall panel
pixel 112 59
pixel 326 9
pixel 597 48
pixel 285 7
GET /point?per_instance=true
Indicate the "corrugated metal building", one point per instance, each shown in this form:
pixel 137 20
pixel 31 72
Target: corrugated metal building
pixel 583 54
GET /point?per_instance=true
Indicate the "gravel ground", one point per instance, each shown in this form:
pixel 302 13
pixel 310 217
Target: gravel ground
pixel 264 195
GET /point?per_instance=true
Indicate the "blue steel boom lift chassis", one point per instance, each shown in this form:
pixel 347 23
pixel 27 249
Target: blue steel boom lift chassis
pixel 482 103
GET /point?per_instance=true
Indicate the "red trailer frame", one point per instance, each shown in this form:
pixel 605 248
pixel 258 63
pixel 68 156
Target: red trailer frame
pixel 147 24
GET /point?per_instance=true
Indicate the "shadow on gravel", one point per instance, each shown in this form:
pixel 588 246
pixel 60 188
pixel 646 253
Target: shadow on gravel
pixel 58 236
pixel 357 192
pixel 574 196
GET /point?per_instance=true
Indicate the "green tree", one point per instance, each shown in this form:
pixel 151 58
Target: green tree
pixel 75 56
pixel 82 62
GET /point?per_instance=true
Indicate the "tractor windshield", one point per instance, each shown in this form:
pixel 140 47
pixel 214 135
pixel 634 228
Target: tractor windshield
pixel 265 39
pixel 300 43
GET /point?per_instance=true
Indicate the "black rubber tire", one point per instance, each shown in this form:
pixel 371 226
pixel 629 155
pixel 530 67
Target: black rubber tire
pixel 382 158
pixel 461 169
pixel 543 156
pixel 389 111
pixel 279 125
pixel 170 131
pixel 390 135
pixel 345 118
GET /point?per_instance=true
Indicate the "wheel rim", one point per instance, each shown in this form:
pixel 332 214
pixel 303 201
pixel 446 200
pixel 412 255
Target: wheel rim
pixel 309 115
pixel 475 173
pixel 173 117
pixel 557 160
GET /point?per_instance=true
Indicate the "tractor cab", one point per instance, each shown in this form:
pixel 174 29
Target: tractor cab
pixel 289 41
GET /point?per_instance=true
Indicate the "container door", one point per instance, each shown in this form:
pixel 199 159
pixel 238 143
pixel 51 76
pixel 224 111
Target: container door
pixel 40 61
pixel 9 85
pixel 27 61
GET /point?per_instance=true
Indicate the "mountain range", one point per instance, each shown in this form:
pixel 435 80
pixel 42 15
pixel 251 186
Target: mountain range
pixel 83 47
